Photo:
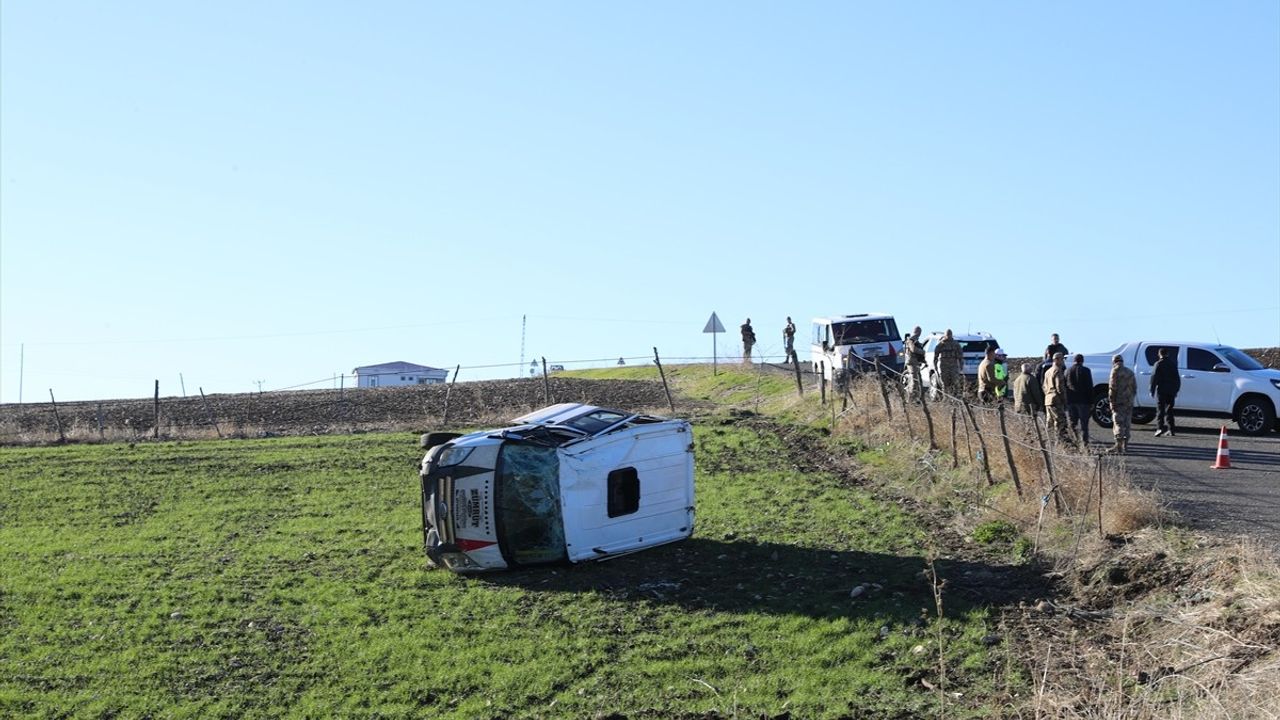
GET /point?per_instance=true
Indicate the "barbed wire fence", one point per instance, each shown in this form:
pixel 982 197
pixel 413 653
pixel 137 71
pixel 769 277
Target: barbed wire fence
pixel 987 441
pixel 1085 490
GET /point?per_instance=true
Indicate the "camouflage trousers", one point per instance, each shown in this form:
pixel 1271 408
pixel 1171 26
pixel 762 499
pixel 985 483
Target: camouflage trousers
pixel 952 383
pixel 914 384
pixel 1056 418
pixel 1122 421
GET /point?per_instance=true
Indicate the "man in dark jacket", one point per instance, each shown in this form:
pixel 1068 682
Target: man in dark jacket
pixel 1079 399
pixel 1165 384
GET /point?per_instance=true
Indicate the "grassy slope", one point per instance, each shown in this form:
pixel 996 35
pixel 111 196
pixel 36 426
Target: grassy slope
pixel 285 576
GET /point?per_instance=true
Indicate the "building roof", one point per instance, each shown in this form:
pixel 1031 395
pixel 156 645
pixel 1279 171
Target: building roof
pixel 395 367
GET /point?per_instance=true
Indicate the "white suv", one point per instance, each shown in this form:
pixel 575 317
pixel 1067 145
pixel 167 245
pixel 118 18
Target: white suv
pixel 974 346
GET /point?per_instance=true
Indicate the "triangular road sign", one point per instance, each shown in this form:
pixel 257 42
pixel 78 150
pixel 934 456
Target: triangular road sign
pixel 713 325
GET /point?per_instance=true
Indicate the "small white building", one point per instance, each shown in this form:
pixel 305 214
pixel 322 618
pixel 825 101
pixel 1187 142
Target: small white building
pixel 393 374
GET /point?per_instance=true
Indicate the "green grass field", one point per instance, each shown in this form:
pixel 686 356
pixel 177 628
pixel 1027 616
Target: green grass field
pixel 285 577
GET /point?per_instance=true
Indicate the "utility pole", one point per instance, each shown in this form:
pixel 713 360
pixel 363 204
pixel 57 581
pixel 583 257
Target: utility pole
pixel 183 383
pixel 523 323
pixel 259 384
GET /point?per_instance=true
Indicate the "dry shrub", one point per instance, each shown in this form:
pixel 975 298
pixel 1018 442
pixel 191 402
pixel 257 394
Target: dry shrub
pixel 1186 632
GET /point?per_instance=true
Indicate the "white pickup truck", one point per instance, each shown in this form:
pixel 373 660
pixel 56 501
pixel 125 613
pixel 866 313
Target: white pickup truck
pixel 1217 381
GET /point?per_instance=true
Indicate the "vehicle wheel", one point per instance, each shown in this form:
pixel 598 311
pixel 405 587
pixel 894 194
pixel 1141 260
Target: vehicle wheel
pixel 1255 415
pixel 432 439
pixel 1142 417
pixel 1102 408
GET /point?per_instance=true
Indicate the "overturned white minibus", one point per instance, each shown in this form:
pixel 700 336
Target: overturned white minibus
pixel 569 482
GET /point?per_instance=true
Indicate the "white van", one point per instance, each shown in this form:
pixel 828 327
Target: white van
pixel 856 342
pixel 569 482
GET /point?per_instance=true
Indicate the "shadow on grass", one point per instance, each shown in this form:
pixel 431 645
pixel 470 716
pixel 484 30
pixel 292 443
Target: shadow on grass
pixel 748 577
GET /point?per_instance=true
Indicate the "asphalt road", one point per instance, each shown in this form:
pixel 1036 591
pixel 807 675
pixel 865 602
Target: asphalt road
pixel 1243 500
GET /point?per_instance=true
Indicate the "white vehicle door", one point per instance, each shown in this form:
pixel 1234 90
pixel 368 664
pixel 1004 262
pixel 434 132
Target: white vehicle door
pixel 1147 358
pixel 1207 381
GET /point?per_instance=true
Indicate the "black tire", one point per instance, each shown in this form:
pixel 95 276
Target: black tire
pixel 432 439
pixel 1255 415
pixel 1142 417
pixel 1102 407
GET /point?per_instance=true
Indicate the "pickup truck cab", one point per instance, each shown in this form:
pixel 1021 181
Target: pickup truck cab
pixel 567 483
pixel 1218 381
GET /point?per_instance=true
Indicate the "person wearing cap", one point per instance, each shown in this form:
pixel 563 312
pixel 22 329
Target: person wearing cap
pixel 1055 397
pixel 1080 399
pixel 1001 370
pixel 987 377
pixel 1122 388
pixel 1028 396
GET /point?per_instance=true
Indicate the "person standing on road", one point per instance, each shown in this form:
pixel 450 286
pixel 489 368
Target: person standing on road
pixel 748 341
pixel 1055 397
pixel 1122 388
pixel 1080 399
pixel 914 353
pixel 948 364
pixel 1001 370
pixel 1028 396
pixel 1165 384
pixel 789 341
pixel 1055 347
pixel 987 377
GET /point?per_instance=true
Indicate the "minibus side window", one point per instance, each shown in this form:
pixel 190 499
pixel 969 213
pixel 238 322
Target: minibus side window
pixel 624 492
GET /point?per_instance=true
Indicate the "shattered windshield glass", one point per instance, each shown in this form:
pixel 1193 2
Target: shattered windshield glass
pixel 528 504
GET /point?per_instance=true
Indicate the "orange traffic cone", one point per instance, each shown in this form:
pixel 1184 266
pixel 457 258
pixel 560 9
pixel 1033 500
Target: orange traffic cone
pixel 1224 454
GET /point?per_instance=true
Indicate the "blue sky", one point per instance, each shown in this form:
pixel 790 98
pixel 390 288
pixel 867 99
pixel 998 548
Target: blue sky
pixel 238 192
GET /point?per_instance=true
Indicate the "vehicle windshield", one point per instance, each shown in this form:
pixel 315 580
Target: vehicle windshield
pixel 1240 360
pixel 528 504
pixel 855 332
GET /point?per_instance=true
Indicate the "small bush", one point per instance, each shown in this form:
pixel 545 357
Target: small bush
pixel 996 531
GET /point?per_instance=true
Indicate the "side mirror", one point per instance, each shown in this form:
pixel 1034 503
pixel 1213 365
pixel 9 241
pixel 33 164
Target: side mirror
pixel 1221 367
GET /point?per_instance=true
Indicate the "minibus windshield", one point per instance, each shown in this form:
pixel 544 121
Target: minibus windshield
pixel 528 504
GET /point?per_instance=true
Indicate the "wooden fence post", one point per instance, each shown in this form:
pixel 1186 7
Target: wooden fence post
pixel 906 410
pixel 884 391
pixel 657 361
pixel 57 420
pixel 444 421
pixel 795 364
pixel 546 383
pixel 955 452
pixel 209 412
pixel 986 464
pixel 928 418
pixel 1048 466
pixel 1101 533
pixel 1008 452
pixel 155 433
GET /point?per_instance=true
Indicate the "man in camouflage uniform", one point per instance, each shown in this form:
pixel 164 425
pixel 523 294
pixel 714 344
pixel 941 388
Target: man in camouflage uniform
pixel 1055 397
pixel 1028 396
pixel 748 340
pixel 1122 388
pixel 914 353
pixel 789 341
pixel 948 365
